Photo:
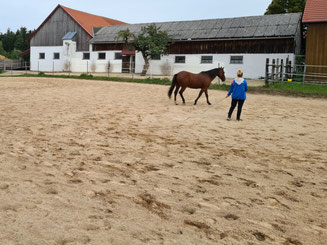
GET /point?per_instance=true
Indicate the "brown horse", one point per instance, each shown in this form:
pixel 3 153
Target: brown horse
pixel 202 80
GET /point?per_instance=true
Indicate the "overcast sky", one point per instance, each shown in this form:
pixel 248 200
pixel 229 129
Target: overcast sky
pixel 31 13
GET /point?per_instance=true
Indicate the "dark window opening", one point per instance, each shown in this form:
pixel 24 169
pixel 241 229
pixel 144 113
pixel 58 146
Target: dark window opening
pixel 41 56
pixel 118 56
pixel 56 56
pixel 206 59
pixel 102 56
pixel 236 59
pixel 86 56
pixel 156 57
pixel 179 59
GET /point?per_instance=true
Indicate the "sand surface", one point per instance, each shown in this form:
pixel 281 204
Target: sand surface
pixel 91 162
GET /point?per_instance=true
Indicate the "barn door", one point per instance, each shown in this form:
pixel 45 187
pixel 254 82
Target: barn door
pixel 128 63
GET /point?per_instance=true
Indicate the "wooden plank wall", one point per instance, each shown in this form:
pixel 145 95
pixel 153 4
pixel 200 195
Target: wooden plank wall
pixel 220 47
pixel 316 47
pixel 56 27
pixel 107 46
pixel 233 46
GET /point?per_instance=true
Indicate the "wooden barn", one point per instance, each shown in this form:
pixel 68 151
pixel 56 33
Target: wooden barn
pixel 235 43
pixel 315 19
pixel 63 24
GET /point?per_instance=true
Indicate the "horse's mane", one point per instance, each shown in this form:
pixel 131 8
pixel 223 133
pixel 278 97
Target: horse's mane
pixel 211 73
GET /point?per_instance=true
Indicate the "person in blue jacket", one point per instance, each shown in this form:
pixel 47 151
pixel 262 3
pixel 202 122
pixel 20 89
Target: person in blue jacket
pixel 237 89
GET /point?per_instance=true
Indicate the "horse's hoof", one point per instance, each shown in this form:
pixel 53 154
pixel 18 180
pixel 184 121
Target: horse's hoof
pixel 176 103
pixel 209 103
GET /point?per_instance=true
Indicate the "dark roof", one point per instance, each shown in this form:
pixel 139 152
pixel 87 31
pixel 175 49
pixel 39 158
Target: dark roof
pixel 280 25
pixel 315 11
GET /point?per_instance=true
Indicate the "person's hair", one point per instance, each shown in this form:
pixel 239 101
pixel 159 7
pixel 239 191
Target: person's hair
pixel 239 73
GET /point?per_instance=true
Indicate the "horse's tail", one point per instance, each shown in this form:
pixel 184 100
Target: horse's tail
pixel 173 84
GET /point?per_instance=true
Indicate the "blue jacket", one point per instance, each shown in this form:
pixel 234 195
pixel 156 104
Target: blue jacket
pixel 238 88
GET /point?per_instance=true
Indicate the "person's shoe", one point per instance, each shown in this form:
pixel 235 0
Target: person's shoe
pixel 239 119
pixel 228 118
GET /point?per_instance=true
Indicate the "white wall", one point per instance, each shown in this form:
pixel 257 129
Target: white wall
pixel 48 63
pixel 253 64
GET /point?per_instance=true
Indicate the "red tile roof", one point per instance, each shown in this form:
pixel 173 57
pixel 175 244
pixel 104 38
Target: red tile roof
pixel 85 20
pixel 315 11
pixel 88 21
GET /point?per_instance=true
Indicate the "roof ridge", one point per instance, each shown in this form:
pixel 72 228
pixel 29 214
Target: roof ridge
pixel 88 13
pixel 251 16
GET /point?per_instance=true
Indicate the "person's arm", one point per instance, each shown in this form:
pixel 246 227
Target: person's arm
pixel 246 85
pixel 231 89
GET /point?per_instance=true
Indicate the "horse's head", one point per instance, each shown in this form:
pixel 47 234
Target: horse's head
pixel 221 73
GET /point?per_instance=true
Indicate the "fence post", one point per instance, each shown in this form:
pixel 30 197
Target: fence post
pixel 290 69
pixel 108 67
pixel 273 69
pixel 133 70
pixel 277 70
pixel 52 68
pixel 87 67
pixel 11 67
pixel 282 73
pixel 267 73
pixel 304 72
pixel 286 68
pixel 281 69
pixel 38 67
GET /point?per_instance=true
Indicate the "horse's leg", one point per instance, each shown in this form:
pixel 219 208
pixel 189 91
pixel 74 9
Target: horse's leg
pixel 206 93
pixel 200 93
pixel 175 93
pixel 181 93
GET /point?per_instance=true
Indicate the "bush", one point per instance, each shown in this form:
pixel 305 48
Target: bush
pixel 41 73
pixel 85 76
pixel 1 71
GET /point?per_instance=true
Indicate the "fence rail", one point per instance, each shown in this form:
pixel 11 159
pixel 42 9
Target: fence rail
pixel 296 73
pixel 111 68
pixel 13 65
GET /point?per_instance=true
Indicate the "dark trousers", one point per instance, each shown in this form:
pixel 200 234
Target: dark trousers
pixel 239 104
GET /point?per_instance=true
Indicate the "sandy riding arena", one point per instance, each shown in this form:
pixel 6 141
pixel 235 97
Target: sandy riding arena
pixel 91 162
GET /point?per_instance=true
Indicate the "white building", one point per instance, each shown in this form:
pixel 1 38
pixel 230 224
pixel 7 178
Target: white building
pixel 233 43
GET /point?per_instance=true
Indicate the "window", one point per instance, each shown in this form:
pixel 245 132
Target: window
pixel 102 56
pixel 236 59
pixel 118 56
pixel 86 56
pixel 179 59
pixel 56 56
pixel 41 56
pixel 206 59
pixel 156 57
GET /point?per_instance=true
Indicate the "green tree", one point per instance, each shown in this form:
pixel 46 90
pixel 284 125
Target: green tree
pixel 285 6
pixel 8 41
pixel 125 35
pixel 2 51
pixel 12 44
pixel 151 41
